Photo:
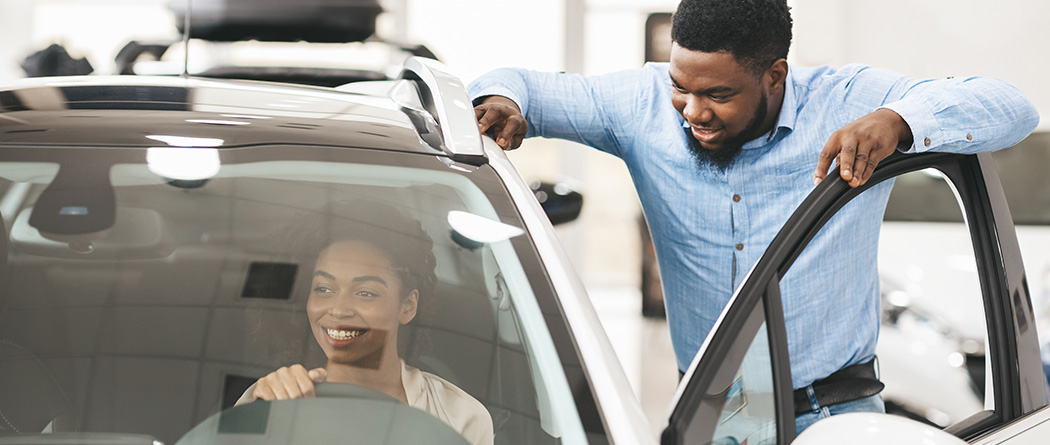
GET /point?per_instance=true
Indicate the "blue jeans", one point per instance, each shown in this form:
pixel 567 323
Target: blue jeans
pixel 867 404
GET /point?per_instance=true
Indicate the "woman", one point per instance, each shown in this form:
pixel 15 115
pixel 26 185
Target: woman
pixel 367 281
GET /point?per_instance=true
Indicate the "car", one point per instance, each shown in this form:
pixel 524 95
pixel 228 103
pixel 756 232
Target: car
pixel 312 42
pixel 144 289
pixel 153 271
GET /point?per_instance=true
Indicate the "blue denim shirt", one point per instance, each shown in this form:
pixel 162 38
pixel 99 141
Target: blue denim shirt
pixel 707 240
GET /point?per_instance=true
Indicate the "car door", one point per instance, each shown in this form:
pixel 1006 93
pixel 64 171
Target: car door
pixel 738 388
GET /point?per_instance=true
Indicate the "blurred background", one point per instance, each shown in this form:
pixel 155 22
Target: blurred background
pixel 922 38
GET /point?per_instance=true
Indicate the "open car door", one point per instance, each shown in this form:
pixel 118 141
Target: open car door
pixel 738 388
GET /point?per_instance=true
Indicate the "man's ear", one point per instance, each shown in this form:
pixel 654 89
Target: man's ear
pixel 775 76
pixel 409 306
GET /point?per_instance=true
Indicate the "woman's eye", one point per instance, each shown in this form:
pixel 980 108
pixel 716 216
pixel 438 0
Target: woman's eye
pixel 323 290
pixel 367 293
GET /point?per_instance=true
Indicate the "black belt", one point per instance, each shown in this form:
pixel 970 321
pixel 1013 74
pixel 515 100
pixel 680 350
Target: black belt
pixel 845 385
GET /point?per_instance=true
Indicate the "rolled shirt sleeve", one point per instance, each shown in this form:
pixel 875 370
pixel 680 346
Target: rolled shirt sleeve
pixel 598 111
pixel 957 115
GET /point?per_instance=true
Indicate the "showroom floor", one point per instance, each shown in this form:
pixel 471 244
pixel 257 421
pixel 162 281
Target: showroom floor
pixel 643 346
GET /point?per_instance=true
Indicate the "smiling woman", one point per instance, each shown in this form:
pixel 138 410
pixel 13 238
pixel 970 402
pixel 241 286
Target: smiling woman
pixel 373 269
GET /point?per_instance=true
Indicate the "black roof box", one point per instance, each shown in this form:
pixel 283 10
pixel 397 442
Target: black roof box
pixel 323 21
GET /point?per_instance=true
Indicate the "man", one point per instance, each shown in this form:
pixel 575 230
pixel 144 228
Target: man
pixel 726 140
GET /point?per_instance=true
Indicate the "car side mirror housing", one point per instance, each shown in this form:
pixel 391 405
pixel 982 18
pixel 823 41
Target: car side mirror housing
pixel 560 202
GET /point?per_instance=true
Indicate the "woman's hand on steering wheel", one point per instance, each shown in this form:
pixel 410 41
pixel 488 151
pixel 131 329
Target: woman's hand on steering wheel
pixel 289 382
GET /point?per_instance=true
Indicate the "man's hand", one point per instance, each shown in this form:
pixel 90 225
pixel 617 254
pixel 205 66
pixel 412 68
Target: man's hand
pixel 290 382
pixel 503 118
pixel 860 145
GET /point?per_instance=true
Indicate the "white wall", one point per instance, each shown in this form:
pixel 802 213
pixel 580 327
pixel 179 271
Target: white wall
pixel 95 29
pixel 15 32
pixel 932 38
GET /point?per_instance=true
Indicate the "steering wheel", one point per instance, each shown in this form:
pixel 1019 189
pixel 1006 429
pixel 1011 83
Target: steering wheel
pixel 350 391
pixel 340 412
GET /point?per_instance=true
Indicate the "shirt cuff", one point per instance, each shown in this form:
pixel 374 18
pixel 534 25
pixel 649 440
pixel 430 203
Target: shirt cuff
pixel 925 132
pixel 496 91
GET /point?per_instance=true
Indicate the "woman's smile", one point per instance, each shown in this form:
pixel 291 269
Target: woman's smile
pixel 340 337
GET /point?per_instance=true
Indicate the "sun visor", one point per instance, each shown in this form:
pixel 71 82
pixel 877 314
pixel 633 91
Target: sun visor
pixel 135 234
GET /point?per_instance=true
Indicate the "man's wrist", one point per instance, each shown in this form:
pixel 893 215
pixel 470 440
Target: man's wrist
pixel 503 100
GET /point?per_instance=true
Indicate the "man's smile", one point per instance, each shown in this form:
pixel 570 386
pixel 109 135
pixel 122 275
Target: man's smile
pixel 706 134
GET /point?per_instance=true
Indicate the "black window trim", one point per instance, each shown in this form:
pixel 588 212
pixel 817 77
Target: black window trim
pixel 1018 385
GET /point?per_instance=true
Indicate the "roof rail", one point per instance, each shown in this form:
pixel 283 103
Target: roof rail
pixel 445 97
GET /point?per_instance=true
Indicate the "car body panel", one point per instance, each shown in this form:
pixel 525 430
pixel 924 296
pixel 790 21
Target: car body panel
pixel 622 412
pixel 877 429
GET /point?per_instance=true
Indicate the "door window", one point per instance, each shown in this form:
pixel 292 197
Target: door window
pixel 709 404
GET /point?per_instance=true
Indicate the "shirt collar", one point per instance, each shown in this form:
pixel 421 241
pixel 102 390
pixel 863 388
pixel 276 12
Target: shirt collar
pixel 785 119
pixel 412 380
pixel 789 109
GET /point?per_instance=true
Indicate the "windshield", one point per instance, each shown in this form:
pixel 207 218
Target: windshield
pixel 146 291
pixel 920 196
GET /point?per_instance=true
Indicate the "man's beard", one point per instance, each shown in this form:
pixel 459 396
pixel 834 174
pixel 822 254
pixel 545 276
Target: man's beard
pixel 724 156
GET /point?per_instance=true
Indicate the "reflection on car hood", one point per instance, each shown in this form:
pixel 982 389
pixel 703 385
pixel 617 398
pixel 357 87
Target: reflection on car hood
pixel 122 111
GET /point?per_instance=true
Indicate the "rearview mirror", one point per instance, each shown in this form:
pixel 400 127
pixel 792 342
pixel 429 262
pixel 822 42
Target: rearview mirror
pixel 136 233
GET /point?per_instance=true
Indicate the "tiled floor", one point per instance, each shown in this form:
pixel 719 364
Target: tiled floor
pixel 643 346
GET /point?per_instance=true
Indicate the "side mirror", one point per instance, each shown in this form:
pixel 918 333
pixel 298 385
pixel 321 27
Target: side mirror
pixel 561 203
pixel 872 429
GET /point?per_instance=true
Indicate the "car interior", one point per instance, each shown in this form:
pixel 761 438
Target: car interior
pixel 153 331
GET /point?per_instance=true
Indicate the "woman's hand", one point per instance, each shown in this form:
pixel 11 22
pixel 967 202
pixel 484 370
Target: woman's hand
pixel 289 382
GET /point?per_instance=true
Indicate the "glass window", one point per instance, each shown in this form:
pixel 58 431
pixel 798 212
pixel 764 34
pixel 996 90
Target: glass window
pixel 1022 171
pixel 737 405
pixel 749 413
pixel 147 299
pixel 932 342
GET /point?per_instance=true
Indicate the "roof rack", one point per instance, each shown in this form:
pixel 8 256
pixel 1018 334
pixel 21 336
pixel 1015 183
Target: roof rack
pixel 445 97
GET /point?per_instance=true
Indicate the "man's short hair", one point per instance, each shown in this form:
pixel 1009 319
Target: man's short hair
pixel 755 32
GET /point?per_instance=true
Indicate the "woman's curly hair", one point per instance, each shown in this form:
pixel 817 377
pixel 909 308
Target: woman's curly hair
pixel 755 32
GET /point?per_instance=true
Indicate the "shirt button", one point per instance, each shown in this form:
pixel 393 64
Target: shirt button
pixel 927 142
pixel 969 137
pixel 739 247
pixel 736 198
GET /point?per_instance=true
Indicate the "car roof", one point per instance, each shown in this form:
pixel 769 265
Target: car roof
pixel 124 110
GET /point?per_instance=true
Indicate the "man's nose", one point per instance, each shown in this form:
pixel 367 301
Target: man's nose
pixel 697 110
